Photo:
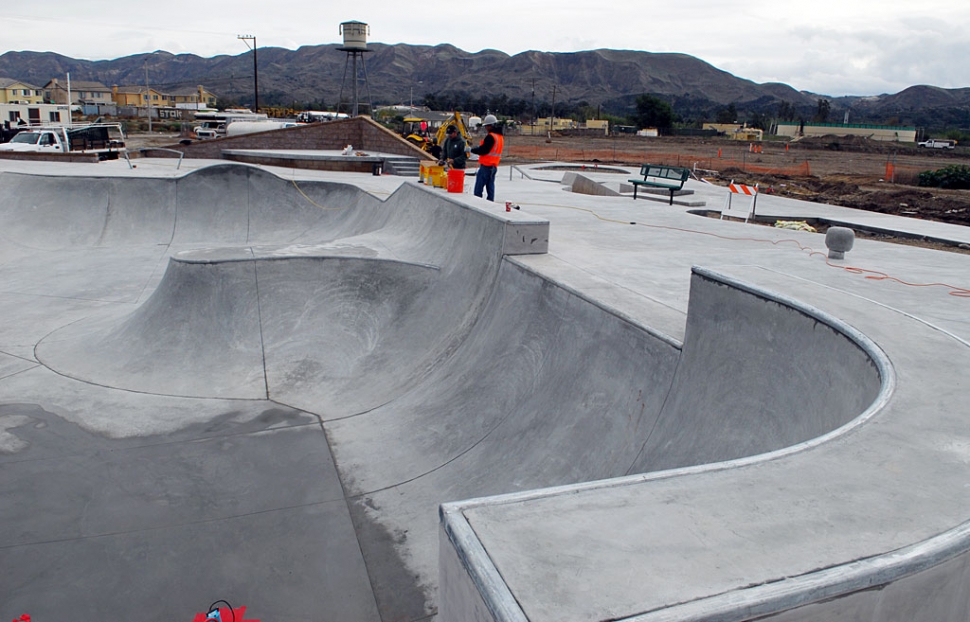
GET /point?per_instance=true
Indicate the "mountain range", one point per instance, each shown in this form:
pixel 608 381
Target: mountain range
pixel 607 80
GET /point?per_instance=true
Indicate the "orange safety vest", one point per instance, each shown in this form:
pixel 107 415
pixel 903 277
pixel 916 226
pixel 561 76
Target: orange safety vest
pixel 492 157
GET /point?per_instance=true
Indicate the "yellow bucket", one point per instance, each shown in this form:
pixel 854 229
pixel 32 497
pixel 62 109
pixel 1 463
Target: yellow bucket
pixel 424 173
pixel 431 174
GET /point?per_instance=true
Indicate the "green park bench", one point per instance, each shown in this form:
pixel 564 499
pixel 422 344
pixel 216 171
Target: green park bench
pixel 671 178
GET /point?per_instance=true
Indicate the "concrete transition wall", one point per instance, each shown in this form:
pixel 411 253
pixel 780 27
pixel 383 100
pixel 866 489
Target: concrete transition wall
pixel 244 202
pixel 741 384
pixel 737 390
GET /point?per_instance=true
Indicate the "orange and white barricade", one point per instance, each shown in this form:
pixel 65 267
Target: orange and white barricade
pixel 732 211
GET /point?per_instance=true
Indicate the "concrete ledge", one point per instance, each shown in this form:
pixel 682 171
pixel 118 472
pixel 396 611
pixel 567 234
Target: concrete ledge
pixel 524 234
pixel 663 196
pixel 526 238
pixel 575 182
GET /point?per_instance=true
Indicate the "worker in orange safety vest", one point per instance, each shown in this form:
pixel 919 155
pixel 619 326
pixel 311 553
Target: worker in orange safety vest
pixel 489 154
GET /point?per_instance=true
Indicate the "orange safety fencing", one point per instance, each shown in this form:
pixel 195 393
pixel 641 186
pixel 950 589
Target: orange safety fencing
pixel 902 174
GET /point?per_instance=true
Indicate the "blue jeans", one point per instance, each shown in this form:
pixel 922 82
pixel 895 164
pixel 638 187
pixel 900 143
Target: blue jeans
pixel 485 179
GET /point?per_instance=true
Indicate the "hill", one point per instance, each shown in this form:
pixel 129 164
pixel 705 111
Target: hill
pixel 314 72
pixel 606 79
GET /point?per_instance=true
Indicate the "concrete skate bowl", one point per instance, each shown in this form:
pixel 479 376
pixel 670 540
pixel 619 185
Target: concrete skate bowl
pixel 222 204
pixel 302 322
pixel 440 371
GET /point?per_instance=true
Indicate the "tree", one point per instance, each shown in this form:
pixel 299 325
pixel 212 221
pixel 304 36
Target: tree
pixel 822 113
pixel 654 112
pixel 786 111
pixel 728 115
pixel 759 120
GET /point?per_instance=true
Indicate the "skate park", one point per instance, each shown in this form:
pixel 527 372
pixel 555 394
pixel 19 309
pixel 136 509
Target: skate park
pixel 327 395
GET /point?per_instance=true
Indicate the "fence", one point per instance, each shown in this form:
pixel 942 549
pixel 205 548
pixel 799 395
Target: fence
pixel 899 174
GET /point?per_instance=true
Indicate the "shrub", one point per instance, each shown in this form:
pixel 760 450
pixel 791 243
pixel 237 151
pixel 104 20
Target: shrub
pixel 953 176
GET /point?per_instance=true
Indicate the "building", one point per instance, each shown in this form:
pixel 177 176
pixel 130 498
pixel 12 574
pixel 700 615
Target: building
pixel 556 124
pixel 83 92
pixel 17 92
pixel 544 125
pixel 890 133
pixel 134 96
pixel 433 118
pixel 34 114
pixel 192 98
pixel 737 131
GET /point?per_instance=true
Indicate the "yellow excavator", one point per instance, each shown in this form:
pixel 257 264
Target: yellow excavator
pixel 426 140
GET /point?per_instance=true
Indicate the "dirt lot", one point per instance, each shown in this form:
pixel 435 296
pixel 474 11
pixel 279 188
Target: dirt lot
pixel 841 171
pixel 853 172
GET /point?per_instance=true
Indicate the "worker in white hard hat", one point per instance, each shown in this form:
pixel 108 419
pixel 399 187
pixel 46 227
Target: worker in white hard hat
pixel 489 154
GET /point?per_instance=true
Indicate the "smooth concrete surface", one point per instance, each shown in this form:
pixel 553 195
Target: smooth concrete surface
pixel 257 384
pixel 847 521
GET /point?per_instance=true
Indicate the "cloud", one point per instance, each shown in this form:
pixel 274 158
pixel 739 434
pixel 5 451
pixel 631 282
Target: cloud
pixel 863 47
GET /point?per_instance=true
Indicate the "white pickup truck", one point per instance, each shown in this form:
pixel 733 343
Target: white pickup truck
pixel 937 143
pixel 105 139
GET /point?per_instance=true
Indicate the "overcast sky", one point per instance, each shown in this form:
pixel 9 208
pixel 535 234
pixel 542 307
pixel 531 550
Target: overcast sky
pixel 830 47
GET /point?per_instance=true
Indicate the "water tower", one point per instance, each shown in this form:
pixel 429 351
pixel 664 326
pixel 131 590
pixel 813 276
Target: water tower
pixel 355 45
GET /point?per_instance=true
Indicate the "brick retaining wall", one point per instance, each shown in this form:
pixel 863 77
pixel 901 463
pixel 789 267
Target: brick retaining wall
pixel 91 158
pixel 362 132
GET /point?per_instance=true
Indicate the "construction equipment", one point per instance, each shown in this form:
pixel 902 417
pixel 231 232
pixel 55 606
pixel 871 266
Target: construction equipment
pixel 426 139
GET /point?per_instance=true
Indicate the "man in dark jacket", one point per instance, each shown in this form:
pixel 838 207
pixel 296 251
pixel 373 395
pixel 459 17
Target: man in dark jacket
pixel 453 151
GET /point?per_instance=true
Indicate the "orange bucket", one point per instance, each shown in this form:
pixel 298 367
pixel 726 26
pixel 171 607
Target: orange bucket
pixel 456 180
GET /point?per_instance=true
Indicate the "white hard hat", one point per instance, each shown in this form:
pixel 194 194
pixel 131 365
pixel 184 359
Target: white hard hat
pixel 489 120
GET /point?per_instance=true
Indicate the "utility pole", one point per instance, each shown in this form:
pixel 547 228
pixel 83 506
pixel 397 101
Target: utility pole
pixel 148 98
pixel 533 106
pixel 246 39
pixel 552 114
pixel 70 109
